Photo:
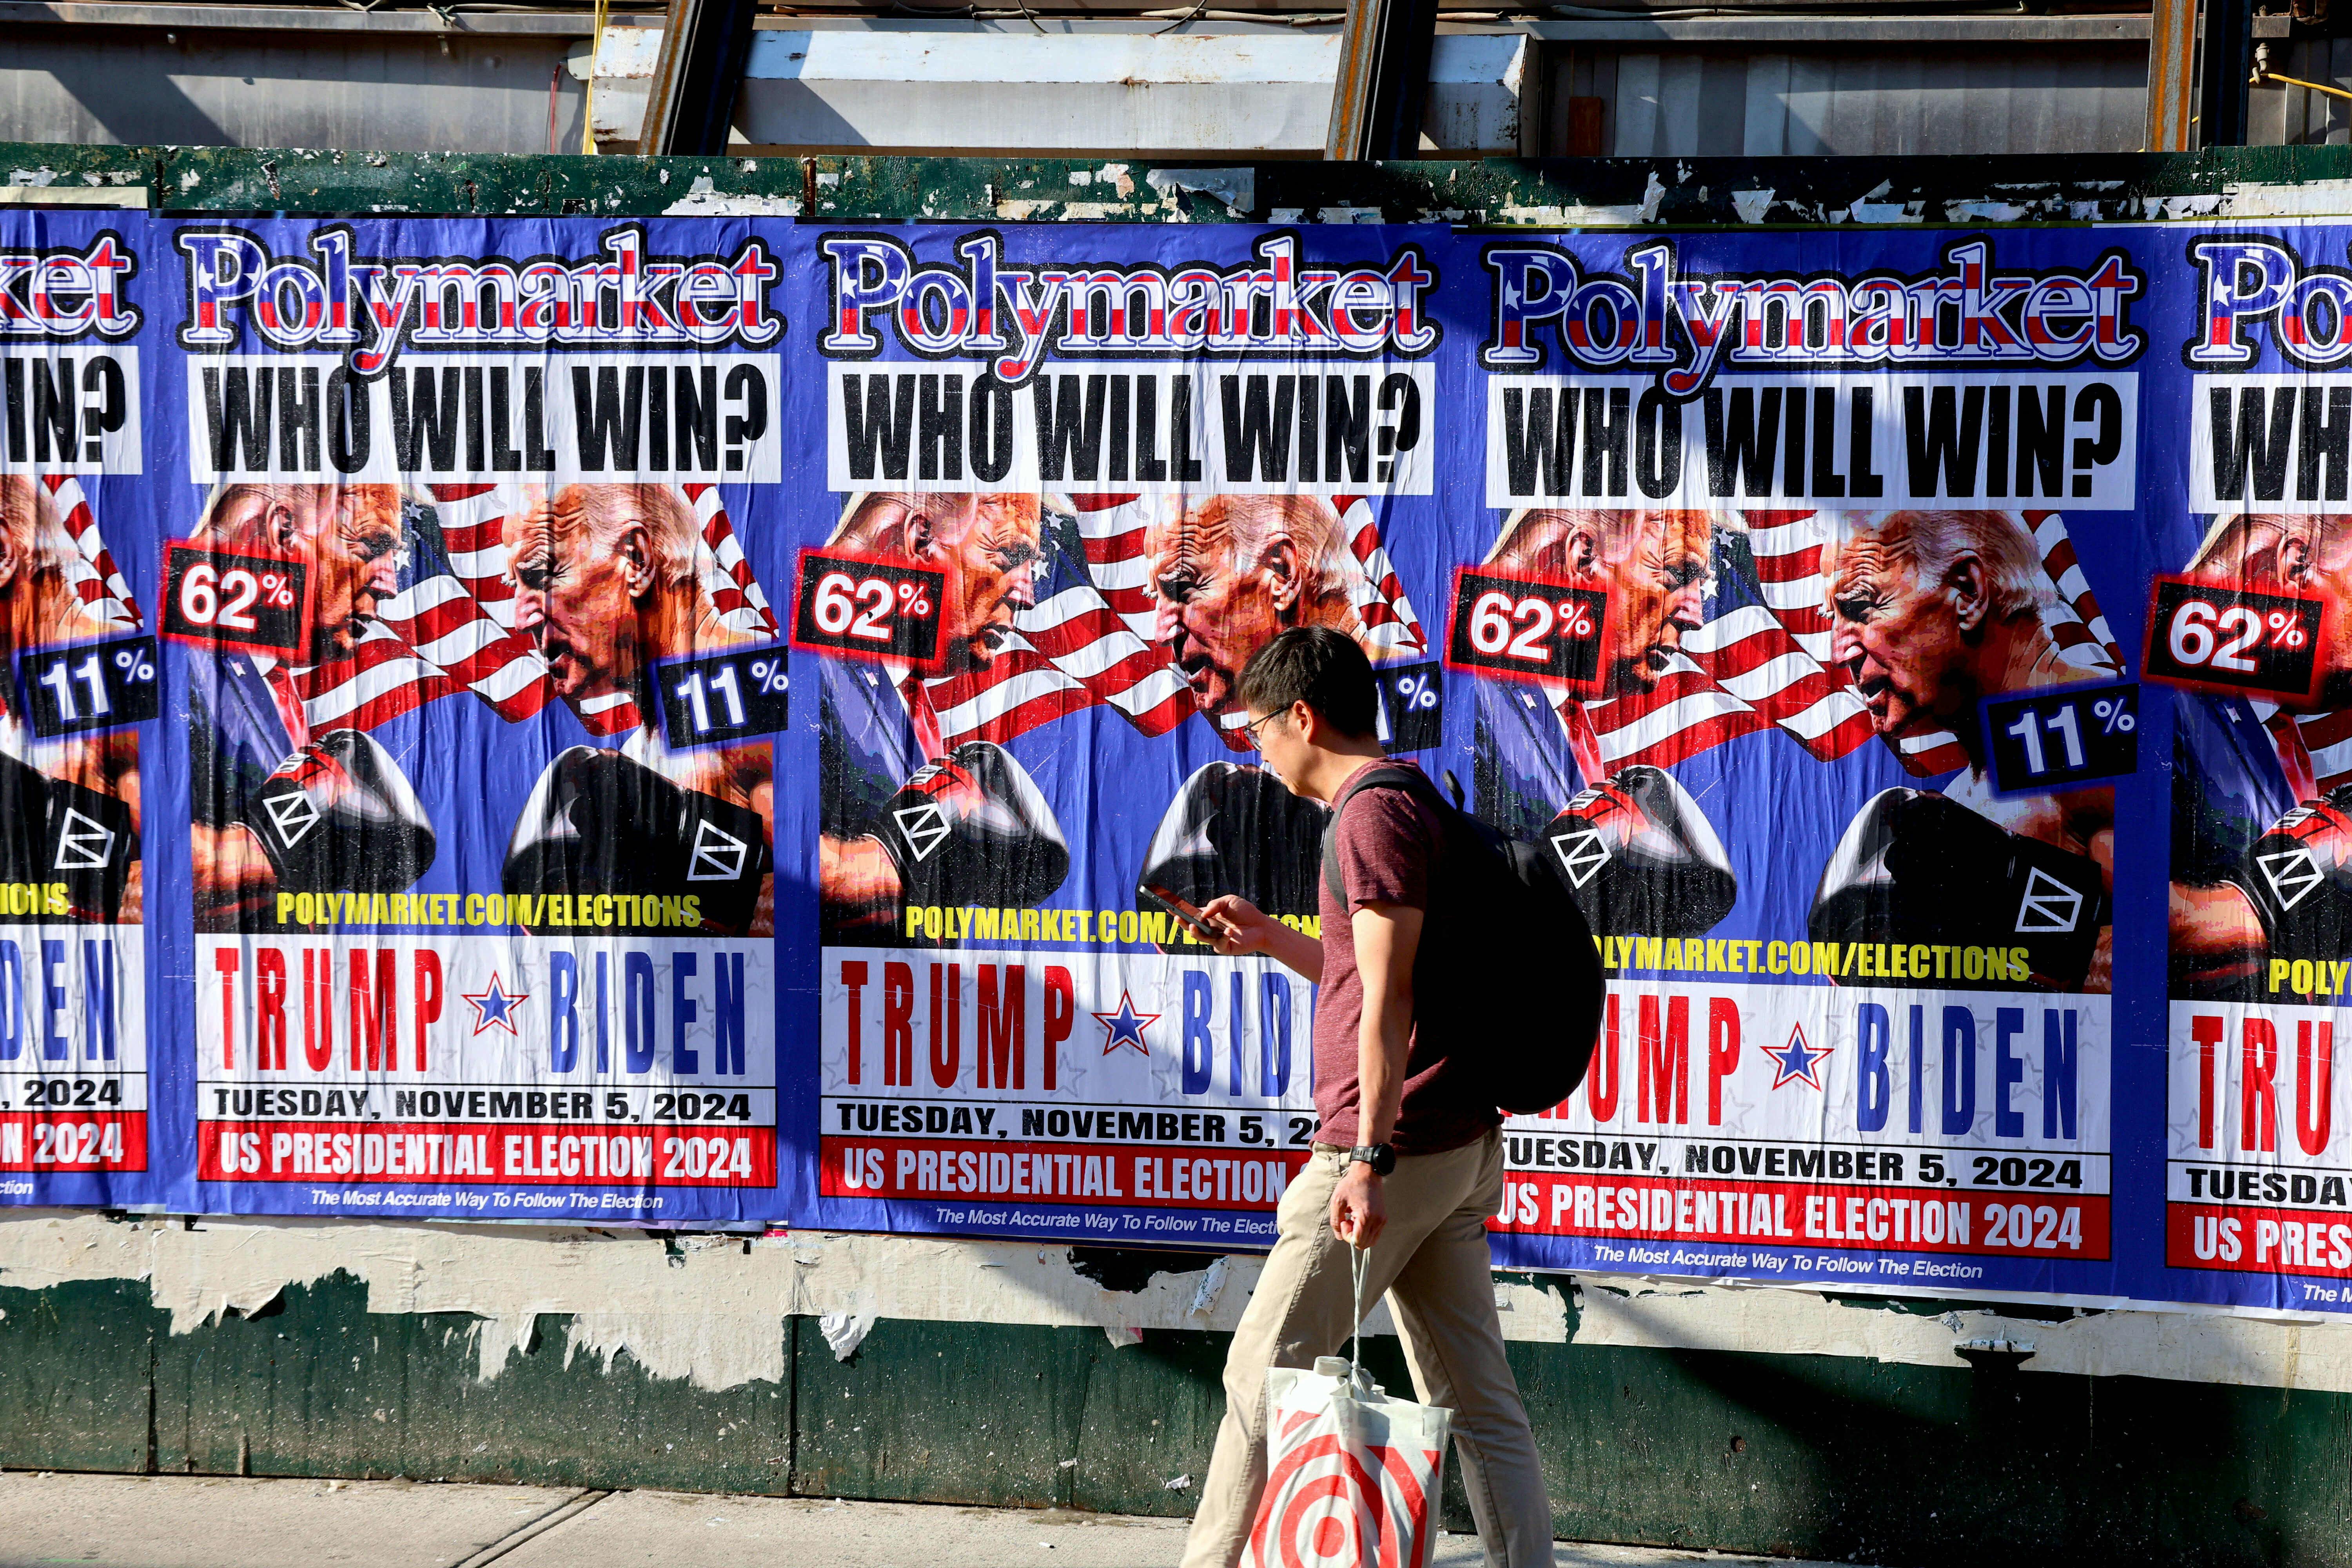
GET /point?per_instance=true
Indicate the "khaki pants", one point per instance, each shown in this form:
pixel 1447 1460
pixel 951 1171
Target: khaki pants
pixel 1432 1261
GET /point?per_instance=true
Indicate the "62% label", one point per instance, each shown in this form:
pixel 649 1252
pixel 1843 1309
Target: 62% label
pixel 1528 627
pixel 220 598
pixel 90 686
pixel 2232 639
pixel 723 697
pixel 871 609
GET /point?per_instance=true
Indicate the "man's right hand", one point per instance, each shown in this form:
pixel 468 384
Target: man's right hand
pixel 1247 929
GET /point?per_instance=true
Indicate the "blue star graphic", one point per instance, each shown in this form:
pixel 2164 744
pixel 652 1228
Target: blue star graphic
pixel 1125 1027
pixel 1798 1062
pixel 494 1008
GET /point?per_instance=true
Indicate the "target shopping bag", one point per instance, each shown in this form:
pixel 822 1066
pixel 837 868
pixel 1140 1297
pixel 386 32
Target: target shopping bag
pixel 1351 1475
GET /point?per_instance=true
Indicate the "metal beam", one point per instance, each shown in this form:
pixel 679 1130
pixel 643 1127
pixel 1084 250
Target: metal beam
pixel 314 19
pixel 705 44
pixel 1848 30
pixel 2171 76
pixel 1376 105
pixel 2225 67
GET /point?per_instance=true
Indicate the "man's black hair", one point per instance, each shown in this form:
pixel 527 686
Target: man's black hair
pixel 1316 665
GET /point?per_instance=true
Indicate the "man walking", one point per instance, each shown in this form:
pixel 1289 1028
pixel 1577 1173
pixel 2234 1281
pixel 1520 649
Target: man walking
pixel 1408 1163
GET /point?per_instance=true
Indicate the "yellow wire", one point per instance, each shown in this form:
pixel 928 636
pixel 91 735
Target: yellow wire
pixel 2306 86
pixel 588 106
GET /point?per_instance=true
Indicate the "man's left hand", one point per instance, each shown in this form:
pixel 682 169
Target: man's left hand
pixel 1358 1209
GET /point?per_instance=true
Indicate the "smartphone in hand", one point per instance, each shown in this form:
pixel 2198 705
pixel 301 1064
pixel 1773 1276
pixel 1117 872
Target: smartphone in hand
pixel 1185 911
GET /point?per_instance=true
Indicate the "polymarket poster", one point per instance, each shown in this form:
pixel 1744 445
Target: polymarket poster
pixel 475 924
pixel 670 722
pixel 82 1120
pixel 1118 484
pixel 2255 1146
pixel 1848 789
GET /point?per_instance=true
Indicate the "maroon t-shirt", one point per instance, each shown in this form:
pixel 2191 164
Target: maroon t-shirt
pixel 1389 844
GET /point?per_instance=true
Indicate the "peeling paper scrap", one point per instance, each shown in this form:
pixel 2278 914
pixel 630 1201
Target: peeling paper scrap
pixel 844 1332
pixel 1237 188
pixel 1213 1283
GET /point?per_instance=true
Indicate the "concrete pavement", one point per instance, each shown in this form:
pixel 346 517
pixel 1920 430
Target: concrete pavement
pixel 203 1522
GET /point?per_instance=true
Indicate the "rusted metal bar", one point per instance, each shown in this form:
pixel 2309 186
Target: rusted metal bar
pixel 2172 76
pixel 705 44
pixel 1383 81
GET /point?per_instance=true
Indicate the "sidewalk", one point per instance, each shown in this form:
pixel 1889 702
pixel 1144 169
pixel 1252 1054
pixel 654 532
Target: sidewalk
pixel 172 1521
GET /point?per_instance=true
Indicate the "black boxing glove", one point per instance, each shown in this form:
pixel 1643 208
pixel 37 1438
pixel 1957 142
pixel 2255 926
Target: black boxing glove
pixel 2298 877
pixel 54 831
pixel 338 816
pixel 1236 829
pixel 973 829
pixel 1638 854
pixel 598 822
pixel 24 821
pixel 1916 866
pixel 91 847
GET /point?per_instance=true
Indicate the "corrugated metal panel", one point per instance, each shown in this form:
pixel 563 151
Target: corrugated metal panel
pixel 394 91
pixel 1715 101
pixel 1130 93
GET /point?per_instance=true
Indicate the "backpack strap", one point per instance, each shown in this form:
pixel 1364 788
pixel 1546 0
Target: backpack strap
pixel 1379 776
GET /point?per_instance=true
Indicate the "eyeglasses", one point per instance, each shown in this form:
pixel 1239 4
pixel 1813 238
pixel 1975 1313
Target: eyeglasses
pixel 1250 728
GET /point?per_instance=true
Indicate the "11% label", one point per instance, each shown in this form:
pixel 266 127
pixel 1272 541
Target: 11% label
pixel 73 689
pixel 1410 712
pixel 717 698
pixel 2056 739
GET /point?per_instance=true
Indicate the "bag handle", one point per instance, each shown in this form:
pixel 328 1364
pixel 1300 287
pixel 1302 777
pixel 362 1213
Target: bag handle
pixel 1356 1269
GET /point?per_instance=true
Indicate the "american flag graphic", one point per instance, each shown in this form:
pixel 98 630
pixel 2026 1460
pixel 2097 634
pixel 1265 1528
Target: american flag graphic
pixel 1088 641
pixel 96 580
pixel 449 627
pixel 2320 742
pixel 2328 737
pixel 1763 659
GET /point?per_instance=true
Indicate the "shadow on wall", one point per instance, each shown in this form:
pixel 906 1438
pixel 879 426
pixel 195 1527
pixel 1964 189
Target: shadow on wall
pixel 1844 1457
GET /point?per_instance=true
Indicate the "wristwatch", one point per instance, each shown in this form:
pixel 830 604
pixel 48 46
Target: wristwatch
pixel 1378 1156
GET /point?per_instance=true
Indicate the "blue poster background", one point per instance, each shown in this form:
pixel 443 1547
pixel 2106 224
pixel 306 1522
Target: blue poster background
pixel 957 1013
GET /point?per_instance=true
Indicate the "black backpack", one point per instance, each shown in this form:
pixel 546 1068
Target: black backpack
pixel 1506 979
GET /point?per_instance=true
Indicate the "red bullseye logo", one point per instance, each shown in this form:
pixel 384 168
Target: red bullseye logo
pixel 1328 1504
